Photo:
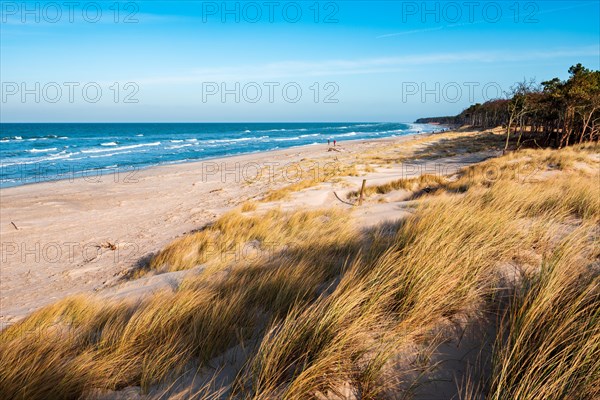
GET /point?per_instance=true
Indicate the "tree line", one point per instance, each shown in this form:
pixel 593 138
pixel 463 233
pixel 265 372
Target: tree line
pixel 554 113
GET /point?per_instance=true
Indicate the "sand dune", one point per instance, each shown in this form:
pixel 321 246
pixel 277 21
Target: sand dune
pixel 65 229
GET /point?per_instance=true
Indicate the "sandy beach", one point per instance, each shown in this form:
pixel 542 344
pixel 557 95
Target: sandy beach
pixel 197 252
pixel 84 235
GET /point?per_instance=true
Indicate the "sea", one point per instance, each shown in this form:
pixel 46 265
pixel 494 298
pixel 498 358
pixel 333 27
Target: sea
pixel 38 152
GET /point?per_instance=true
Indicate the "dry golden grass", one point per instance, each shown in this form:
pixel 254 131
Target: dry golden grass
pixel 411 184
pixel 84 344
pixel 328 308
pixel 239 238
pixel 248 206
pixel 435 146
pixel 286 191
pixel 349 335
pixel 549 342
pixel 313 174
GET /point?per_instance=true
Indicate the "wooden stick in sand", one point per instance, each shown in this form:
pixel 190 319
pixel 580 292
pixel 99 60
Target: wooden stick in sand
pixel 362 191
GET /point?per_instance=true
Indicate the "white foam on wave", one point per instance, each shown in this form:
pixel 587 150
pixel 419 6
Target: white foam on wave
pixel 179 146
pixel 109 144
pixel 110 154
pixel 273 130
pixel 393 131
pixel 41 150
pixel 8 139
pixel 133 146
pixel 244 139
pixel 349 134
pixel 367 125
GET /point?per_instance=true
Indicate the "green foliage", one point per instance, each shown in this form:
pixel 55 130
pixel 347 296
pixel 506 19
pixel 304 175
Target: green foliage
pixel 556 113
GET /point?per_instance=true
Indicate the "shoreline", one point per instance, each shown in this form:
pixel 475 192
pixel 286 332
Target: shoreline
pixel 79 237
pixel 75 179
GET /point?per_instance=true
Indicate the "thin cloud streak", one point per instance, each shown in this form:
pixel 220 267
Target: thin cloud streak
pixel 299 69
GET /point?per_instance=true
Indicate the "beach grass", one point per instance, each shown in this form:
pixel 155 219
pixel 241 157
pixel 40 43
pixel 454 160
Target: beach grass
pixel 325 310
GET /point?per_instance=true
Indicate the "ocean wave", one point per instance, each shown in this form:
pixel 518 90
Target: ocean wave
pixel 17 162
pixel 393 131
pixel 179 146
pixel 286 139
pixel 41 150
pixel 273 130
pixel 109 144
pixel 349 134
pixel 310 135
pixel 176 141
pixel 133 146
pixel 110 154
pixel 32 138
pixel 244 139
pixel 34 160
pixel 51 157
pixel 368 125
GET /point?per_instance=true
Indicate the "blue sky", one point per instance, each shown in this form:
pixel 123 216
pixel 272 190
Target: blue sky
pixel 281 60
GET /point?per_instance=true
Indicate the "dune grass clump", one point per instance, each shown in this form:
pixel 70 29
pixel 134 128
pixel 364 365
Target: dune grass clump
pixel 411 184
pixel 241 238
pixel 309 176
pixel 286 191
pixel 548 343
pixel 248 206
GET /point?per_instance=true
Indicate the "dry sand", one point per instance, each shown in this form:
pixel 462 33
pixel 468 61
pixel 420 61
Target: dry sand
pixel 83 235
